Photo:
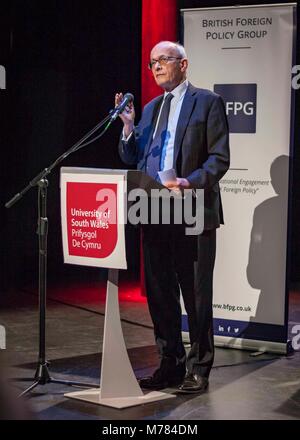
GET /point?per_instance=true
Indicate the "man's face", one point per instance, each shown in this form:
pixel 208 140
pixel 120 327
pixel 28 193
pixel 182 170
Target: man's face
pixel 168 76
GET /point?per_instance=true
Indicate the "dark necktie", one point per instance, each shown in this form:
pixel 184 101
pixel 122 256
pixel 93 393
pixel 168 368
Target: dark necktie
pixel 156 146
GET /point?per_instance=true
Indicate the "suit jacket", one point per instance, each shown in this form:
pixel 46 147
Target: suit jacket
pixel 201 147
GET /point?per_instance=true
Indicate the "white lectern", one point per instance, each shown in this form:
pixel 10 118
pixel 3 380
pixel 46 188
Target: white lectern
pixel 93 215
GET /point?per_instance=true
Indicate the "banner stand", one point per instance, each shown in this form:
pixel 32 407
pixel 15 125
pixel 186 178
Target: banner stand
pixel 251 277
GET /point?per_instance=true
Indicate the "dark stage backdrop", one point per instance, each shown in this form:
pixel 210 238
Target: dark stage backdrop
pixel 64 61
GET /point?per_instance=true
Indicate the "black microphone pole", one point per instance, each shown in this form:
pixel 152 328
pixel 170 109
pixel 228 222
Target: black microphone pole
pixel 42 374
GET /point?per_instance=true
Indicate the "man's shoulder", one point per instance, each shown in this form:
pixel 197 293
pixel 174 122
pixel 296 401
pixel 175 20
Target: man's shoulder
pixel 201 93
pixel 153 102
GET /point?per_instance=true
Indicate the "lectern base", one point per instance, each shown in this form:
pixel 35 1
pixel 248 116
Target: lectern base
pixel 93 396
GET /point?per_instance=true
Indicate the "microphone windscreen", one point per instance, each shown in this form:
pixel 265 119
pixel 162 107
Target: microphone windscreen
pixel 129 97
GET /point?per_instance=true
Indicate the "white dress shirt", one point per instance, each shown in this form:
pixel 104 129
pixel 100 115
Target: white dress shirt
pixel 167 154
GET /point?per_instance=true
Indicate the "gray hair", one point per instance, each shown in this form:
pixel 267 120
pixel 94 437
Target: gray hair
pixel 180 49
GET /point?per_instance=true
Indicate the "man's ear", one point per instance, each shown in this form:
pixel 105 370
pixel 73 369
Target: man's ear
pixel 184 64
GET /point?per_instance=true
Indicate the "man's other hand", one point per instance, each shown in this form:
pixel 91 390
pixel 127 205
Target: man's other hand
pixel 179 185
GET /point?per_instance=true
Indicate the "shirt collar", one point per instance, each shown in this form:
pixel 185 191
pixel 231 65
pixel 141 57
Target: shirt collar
pixel 179 91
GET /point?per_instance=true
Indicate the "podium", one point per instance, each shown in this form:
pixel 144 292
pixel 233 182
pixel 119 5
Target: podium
pixel 93 215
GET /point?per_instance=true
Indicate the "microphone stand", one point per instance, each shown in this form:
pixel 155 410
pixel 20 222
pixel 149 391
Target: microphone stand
pixel 42 375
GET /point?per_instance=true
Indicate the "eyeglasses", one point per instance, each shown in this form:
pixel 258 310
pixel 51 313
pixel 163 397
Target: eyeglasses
pixel 162 61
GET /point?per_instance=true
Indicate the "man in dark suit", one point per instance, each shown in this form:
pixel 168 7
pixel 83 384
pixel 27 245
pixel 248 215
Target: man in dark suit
pixel 185 129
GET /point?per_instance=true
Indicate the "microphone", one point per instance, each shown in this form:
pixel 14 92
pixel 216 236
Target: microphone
pixel 120 108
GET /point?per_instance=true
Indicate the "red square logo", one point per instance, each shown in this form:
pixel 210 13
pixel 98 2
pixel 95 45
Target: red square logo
pixel 92 219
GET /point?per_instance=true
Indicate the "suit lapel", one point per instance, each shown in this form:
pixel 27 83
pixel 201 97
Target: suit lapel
pixel 183 120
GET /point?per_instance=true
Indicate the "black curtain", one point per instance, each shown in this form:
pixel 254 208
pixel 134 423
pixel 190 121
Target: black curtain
pixel 64 61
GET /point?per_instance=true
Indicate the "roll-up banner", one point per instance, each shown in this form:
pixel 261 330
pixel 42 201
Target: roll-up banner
pixel 245 54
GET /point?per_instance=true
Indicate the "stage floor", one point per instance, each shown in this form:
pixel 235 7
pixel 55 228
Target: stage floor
pixel 241 386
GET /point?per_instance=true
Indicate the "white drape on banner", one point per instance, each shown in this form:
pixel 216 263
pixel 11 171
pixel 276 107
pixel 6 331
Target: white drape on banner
pixel 245 54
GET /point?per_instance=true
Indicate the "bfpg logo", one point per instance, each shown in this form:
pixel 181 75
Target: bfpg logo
pixel 240 104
